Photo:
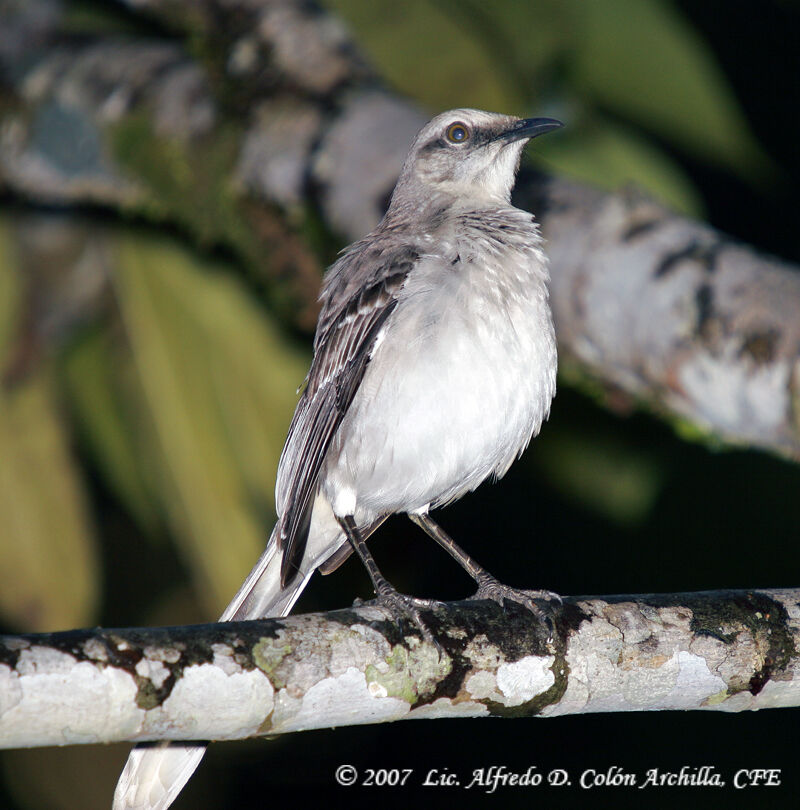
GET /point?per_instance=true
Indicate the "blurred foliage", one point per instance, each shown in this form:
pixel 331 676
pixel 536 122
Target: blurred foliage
pixel 609 154
pixel 626 75
pixel 205 386
pixel 602 472
pixel 48 565
pixel 181 397
pixel 97 375
pixel 641 59
pixel 218 387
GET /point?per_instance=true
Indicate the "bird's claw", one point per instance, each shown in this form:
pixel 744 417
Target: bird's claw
pixel 496 591
pixel 405 607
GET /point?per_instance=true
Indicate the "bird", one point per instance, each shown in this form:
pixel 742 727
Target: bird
pixel 434 365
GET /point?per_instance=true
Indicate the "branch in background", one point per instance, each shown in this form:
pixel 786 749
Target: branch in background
pixel 279 121
pixel 674 315
pixel 726 650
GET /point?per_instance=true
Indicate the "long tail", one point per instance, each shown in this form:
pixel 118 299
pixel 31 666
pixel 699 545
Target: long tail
pixel 155 773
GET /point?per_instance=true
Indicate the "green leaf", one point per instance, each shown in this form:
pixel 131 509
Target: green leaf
pixel 427 53
pixel 218 389
pixel 10 291
pixel 524 41
pixel 612 156
pixel 48 565
pixel 643 60
pixel 94 374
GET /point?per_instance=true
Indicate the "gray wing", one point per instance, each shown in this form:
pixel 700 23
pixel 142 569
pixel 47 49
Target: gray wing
pixel 360 294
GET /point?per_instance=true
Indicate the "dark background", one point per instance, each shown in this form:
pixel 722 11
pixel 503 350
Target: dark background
pixel 698 518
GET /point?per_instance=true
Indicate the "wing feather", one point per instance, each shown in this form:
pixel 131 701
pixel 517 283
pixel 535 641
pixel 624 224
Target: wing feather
pixel 352 318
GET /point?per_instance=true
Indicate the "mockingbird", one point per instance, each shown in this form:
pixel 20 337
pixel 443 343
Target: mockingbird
pixel 434 365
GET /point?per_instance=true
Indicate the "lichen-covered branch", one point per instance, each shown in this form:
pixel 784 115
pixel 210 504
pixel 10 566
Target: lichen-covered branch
pixel 273 125
pixel 666 311
pixel 726 650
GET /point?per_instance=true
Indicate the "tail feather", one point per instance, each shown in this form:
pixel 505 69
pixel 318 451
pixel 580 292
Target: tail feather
pixel 155 773
pixel 261 594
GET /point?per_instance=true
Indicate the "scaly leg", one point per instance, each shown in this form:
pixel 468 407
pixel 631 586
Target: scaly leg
pixel 489 587
pixel 400 604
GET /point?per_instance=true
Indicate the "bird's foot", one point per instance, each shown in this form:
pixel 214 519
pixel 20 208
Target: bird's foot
pixel 491 588
pixel 405 607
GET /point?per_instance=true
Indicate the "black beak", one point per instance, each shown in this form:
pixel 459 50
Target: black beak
pixel 529 128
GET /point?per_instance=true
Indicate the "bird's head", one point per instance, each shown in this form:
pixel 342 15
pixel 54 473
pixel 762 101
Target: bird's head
pixel 467 154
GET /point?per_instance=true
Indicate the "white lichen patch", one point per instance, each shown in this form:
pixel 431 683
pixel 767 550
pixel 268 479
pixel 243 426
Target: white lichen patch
pixel 10 690
pixel 154 671
pixel 13 643
pixel 95 649
pixel 778 693
pixel 377 689
pixel 683 681
pixel 695 682
pixel 445 707
pixel 169 655
pixel 61 701
pixel 523 680
pixel 224 659
pixel 482 685
pixel 206 703
pixel 342 700
pixel 512 683
pixel 44 659
pixel 595 680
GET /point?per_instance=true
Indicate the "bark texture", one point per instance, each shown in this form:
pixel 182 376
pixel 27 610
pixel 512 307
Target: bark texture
pixel 719 650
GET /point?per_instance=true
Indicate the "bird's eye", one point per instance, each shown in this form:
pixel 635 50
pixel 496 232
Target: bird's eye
pixel 457 133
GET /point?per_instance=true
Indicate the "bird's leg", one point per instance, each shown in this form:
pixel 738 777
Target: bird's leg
pixel 489 587
pixel 401 605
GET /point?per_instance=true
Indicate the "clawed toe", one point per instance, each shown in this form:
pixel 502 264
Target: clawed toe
pixel 545 596
pixel 404 607
pixel 490 588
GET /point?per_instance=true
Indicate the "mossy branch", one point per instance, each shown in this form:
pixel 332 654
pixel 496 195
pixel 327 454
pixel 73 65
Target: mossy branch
pixel 726 650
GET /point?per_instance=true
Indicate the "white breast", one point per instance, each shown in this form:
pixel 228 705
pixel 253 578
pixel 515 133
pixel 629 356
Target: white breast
pixel 463 376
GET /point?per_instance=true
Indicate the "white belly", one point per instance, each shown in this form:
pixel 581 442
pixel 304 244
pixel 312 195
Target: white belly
pixel 461 379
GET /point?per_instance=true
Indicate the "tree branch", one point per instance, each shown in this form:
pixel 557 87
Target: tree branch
pixel 675 315
pixel 725 650
pixel 278 120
